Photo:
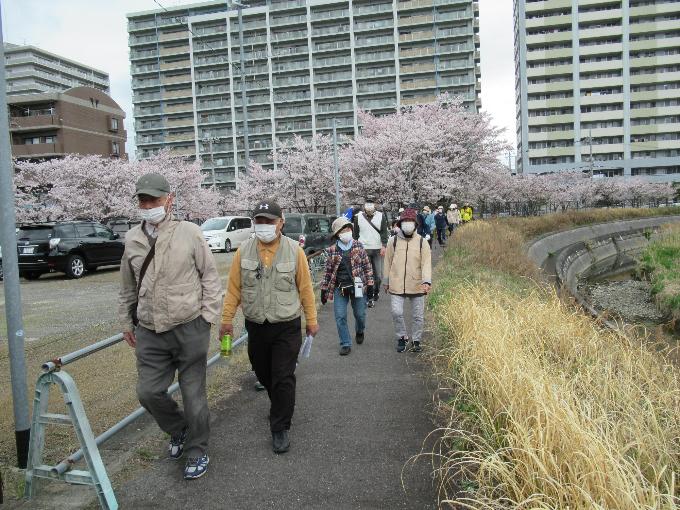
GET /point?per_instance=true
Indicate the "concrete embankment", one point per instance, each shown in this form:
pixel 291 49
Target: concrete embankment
pixel 575 255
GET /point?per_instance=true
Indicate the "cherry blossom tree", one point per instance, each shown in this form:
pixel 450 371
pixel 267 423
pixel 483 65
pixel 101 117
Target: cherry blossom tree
pixel 98 188
pixel 425 152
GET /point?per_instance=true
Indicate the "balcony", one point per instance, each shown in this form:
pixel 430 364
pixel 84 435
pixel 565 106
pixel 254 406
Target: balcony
pixel 38 150
pixel 417 36
pixel 180 78
pixel 418 84
pixel 372 9
pixel 174 94
pixel 34 122
pixel 175 65
pixel 174 50
pixel 173 36
pixel 416 20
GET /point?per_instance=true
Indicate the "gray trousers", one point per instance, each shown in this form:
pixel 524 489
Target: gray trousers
pixel 183 349
pixel 377 265
pixel 418 305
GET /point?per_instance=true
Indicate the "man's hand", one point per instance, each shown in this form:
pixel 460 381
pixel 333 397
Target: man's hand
pixel 226 328
pixel 129 337
pixel 312 330
pixel 426 288
pixel 382 251
pixel 324 297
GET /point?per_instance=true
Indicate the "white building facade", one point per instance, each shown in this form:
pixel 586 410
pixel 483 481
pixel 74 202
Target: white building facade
pixel 306 63
pixel 598 77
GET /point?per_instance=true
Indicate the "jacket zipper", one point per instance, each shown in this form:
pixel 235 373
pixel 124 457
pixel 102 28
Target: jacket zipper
pixel 405 265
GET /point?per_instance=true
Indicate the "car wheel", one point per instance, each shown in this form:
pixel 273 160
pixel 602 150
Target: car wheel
pixel 31 275
pixel 75 266
pixel 227 246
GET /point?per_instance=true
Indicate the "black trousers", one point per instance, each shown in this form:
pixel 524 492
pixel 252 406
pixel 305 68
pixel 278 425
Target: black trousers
pixel 273 351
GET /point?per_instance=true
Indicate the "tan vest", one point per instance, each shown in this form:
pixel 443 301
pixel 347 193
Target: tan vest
pixel 274 296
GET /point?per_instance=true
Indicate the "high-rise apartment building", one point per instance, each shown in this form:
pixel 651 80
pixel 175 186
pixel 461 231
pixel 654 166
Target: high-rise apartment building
pixel 30 70
pixel 306 62
pixel 598 77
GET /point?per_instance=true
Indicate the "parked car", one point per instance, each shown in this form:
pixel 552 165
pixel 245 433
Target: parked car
pixel 227 232
pixel 311 230
pixel 71 247
pixel 121 226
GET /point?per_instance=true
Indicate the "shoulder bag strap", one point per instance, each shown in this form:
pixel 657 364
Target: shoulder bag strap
pixel 145 266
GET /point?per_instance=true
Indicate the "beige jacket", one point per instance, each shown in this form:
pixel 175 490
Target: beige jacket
pixel 408 265
pixel 180 283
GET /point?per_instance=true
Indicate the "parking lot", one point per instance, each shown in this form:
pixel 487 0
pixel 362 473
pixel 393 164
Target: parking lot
pixel 62 315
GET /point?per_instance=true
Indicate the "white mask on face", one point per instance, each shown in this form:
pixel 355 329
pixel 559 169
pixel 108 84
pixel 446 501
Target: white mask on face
pixel 407 227
pixel 154 216
pixel 265 232
pixel 345 237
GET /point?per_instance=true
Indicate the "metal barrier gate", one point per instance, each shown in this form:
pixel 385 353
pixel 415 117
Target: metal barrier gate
pixel 95 475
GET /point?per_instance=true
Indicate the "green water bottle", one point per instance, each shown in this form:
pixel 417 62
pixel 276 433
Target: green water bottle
pixel 225 346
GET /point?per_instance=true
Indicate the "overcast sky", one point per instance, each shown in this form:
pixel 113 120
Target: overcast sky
pixel 94 32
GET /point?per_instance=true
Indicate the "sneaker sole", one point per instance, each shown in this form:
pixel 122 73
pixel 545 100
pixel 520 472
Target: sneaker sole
pixel 282 450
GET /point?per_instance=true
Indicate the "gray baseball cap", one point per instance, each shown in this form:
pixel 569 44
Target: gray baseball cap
pixel 154 185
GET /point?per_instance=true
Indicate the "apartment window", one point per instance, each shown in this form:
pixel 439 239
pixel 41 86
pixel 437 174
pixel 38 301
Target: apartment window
pixel 113 124
pixel 115 149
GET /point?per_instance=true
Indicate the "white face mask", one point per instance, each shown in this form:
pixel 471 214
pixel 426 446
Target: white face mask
pixel 345 237
pixel 407 227
pixel 154 215
pixel 265 232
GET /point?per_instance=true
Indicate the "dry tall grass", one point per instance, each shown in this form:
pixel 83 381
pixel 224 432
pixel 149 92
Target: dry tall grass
pixel 548 410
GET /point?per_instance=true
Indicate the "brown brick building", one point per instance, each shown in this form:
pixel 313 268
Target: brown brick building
pixel 81 120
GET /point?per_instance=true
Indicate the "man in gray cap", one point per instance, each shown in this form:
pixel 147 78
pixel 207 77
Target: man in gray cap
pixel 170 295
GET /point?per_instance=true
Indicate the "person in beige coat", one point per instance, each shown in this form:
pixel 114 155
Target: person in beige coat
pixel 170 295
pixel 408 276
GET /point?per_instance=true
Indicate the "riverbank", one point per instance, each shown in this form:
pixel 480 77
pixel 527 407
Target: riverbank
pixel 539 406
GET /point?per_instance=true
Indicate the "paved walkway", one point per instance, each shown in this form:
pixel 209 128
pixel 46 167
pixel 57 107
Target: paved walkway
pixel 358 421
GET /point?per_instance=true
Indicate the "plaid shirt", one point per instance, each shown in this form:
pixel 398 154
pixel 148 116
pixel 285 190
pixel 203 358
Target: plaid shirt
pixel 359 261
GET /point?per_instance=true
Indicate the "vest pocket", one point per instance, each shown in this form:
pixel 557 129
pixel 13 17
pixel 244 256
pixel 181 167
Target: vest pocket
pixel 285 279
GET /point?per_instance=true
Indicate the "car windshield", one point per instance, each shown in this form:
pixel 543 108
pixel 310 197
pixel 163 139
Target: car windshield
pixel 292 226
pixel 214 224
pixel 34 234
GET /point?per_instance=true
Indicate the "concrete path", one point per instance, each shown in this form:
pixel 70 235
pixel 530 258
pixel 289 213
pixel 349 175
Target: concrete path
pixel 358 421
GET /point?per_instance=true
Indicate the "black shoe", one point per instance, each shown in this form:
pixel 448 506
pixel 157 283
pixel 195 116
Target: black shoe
pixel 401 344
pixel 359 338
pixel 370 303
pixel 345 350
pixel 280 441
pixel 176 446
pixel 416 347
pixel 259 386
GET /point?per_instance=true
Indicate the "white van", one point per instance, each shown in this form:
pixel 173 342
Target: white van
pixel 227 232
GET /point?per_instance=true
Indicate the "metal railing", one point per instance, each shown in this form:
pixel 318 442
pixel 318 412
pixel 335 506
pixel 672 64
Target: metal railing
pixel 61 470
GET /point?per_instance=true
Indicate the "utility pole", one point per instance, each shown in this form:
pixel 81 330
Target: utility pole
pixel 10 266
pixel 510 161
pixel 209 140
pixel 244 96
pixel 337 171
pixel 590 144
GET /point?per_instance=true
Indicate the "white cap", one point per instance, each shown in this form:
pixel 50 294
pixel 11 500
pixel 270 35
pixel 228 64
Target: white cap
pixel 401 209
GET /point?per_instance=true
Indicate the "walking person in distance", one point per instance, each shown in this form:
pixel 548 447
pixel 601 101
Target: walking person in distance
pixel 408 277
pixel 348 278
